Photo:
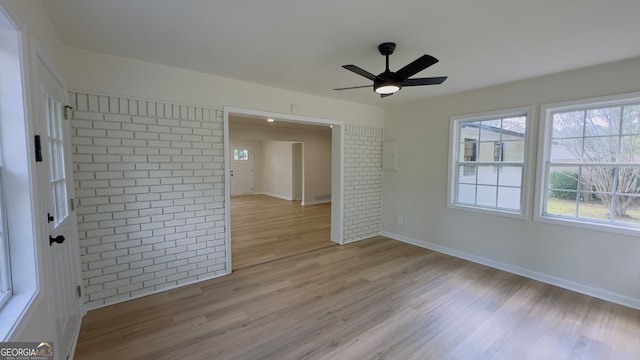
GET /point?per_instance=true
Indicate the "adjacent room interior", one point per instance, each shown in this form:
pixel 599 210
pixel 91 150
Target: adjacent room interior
pixel 280 193
pixel 455 179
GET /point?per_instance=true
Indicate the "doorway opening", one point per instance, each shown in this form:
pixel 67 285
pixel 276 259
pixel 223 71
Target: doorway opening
pixel 294 180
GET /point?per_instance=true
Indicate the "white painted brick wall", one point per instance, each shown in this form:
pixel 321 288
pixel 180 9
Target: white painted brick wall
pixel 362 182
pixel 150 193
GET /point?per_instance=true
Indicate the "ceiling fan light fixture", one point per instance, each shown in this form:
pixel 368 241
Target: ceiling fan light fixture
pixel 385 89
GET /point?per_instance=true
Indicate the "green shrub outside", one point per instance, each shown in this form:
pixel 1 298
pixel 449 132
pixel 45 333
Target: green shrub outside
pixel 559 180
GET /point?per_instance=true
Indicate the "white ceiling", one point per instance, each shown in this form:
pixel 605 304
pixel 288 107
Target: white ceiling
pixel 300 45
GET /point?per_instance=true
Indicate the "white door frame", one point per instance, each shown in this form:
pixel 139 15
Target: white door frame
pixel 337 168
pixel 295 169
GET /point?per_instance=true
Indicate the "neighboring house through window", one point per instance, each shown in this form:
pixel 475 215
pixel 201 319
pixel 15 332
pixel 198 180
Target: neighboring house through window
pixel 487 165
pixel 590 171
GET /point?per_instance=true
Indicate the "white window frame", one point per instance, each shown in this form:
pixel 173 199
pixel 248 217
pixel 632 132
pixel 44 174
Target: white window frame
pixel 454 148
pixel 6 288
pixel 544 137
pixel 19 188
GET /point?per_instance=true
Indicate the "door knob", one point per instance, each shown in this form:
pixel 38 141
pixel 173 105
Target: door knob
pixel 58 239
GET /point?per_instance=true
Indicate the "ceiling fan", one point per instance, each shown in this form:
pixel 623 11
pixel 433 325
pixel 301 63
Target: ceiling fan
pixel 389 82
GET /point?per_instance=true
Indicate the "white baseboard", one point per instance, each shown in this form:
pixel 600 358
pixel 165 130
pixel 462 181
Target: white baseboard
pixel 283 197
pixel 545 278
pixel 304 203
pixel 360 239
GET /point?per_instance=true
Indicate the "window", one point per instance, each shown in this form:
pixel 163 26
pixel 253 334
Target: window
pixel 591 162
pixel 5 269
pixel 487 163
pixel 240 154
pixel 57 167
pixel 18 267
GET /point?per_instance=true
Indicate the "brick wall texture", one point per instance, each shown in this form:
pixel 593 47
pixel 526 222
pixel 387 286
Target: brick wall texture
pixel 149 180
pixel 362 182
pixel 149 186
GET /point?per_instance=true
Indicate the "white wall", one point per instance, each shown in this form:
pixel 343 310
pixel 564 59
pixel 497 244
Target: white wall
pixel 600 263
pixel 317 154
pixel 97 72
pixel 277 176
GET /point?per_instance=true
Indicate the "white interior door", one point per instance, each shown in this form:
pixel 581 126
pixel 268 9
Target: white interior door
pixel 55 177
pixel 241 170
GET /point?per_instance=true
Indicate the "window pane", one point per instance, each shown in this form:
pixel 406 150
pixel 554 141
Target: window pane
pixel 605 121
pixel 486 151
pixel 469 150
pixel 467 174
pixel 567 124
pixel 490 130
pixel 513 150
pixel 487 175
pixel 631 119
pixel 628 180
pixel 566 150
pixel 600 149
pixel 558 206
pixel 515 126
pixel 510 176
pixel 509 198
pixel 563 182
pixel 470 130
pixel 597 179
pixel 596 206
pixel 629 149
pixel 486 195
pixel 467 194
pixel 627 209
pixel 240 154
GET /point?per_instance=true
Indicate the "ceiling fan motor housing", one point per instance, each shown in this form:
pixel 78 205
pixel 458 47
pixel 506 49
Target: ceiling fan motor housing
pixel 387 48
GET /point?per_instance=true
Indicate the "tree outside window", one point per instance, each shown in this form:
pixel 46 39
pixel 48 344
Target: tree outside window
pixel 593 164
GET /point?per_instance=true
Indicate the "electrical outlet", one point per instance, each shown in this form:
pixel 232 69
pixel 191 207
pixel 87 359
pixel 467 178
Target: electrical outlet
pixel 400 219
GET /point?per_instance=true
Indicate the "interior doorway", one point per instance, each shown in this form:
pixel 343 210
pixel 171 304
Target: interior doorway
pixel 334 197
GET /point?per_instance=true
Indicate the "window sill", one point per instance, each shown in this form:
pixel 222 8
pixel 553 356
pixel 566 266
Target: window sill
pixel 489 211
pixel 576 223
pixel 13 312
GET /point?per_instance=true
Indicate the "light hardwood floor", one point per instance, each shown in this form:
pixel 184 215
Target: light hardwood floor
pixel 374 299
pixel 264 228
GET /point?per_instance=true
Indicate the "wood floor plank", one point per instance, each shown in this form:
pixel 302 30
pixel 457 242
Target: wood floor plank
pixel 374 299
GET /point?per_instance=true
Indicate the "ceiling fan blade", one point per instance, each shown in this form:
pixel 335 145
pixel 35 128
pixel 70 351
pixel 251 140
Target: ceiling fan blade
pixel 415 67
pixel 354 87
pixel 360 71
pixel 424 81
